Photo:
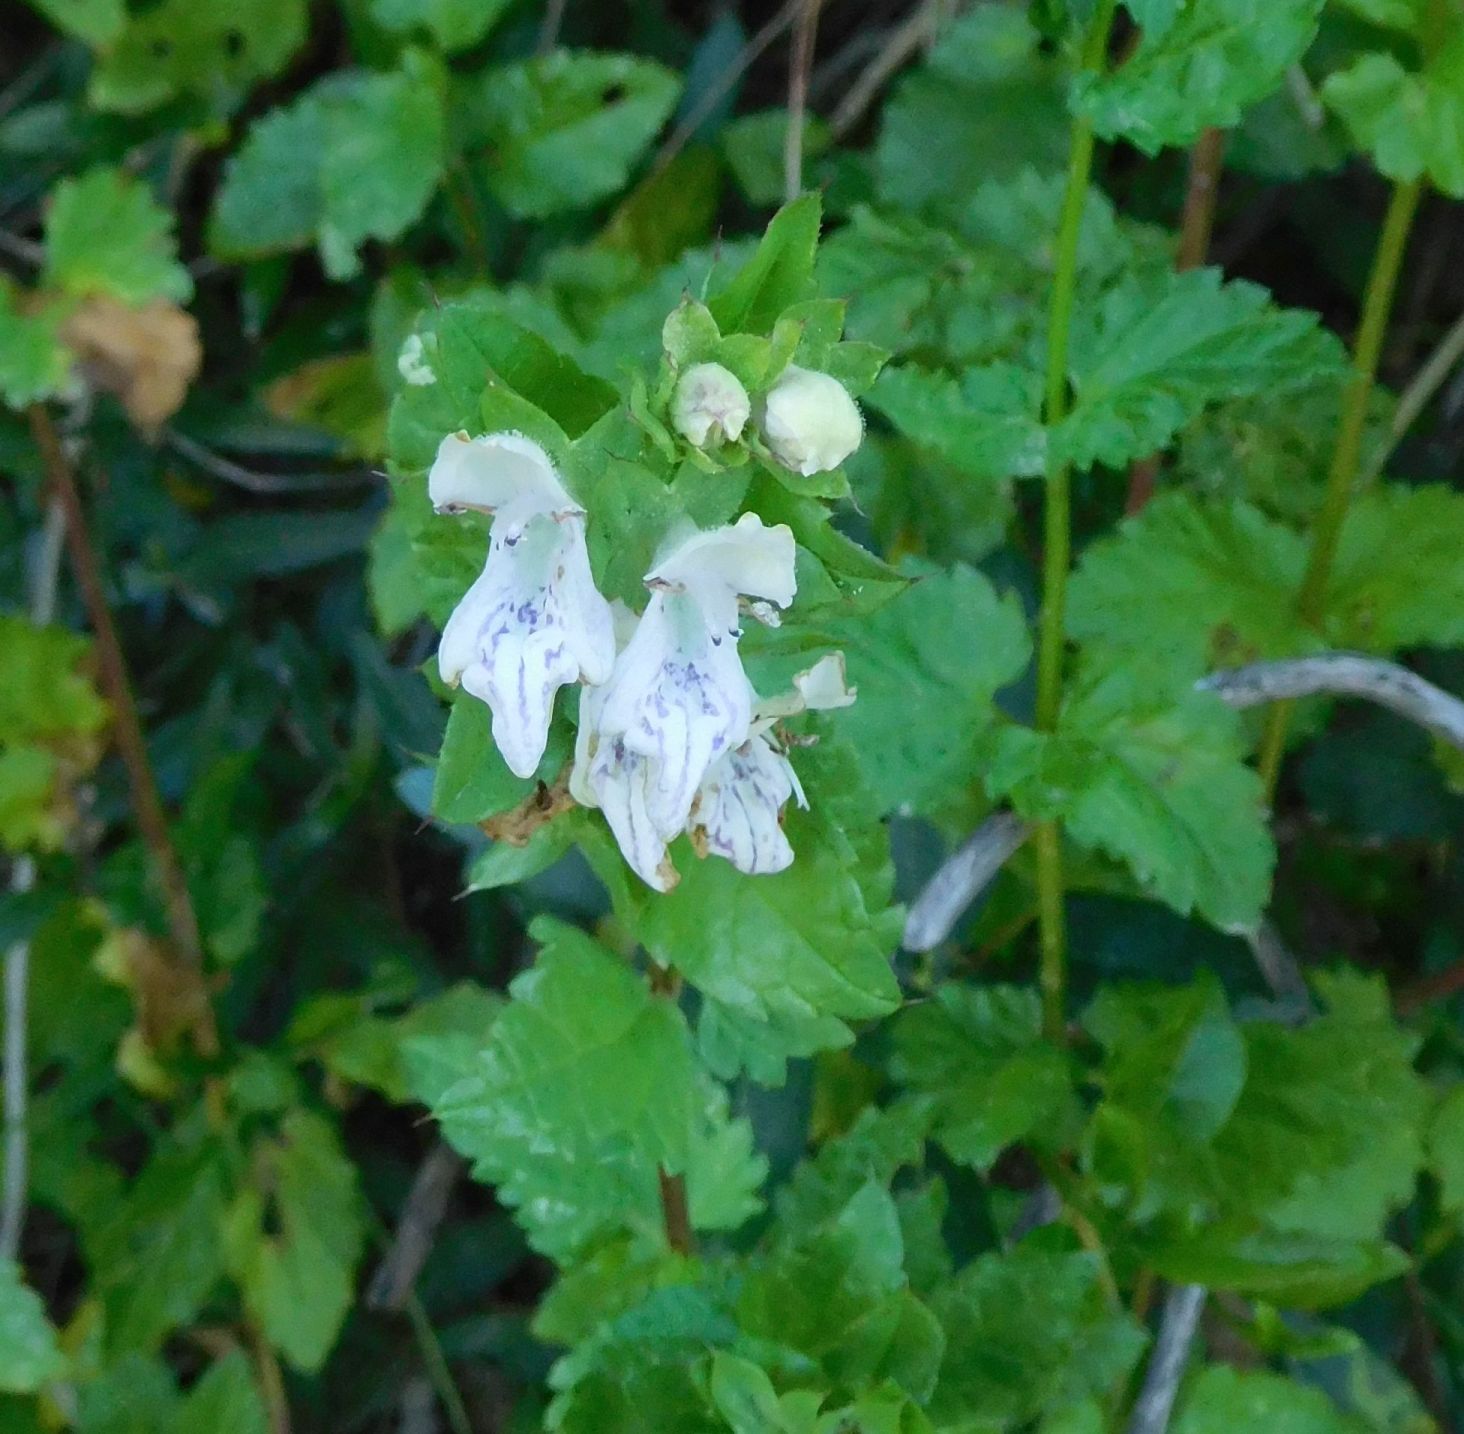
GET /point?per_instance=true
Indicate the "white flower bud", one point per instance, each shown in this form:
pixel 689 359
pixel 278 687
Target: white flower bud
pixel 810 422
pixel 709 405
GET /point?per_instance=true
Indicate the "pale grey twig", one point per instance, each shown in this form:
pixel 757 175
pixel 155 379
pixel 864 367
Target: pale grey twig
pixel 13 1074
pixel 426 1203
pixel 712 96
pixel 549 30
pixel 1177 1326
pixel 1343 674
pixel 1446 357
pixel 253 481
pixel 961 878
pixel 418 1408
pixel 799 64
pixel 903 41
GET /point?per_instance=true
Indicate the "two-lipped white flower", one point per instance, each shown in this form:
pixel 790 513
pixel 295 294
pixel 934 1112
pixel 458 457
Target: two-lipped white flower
pixel 534 621
pixel 678 699
pixel 738 810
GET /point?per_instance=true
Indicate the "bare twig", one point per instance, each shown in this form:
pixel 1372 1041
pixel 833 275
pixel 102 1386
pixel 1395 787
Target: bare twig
pixel 418 1408
pixel 1343 674
pixel 714 93
pixel 422 1213
pixel 13 1064
pixel 1177 1326
pixel 800 62
pixel 1435 372
pixel 271 1380
pixel 665 981
pixel 255 482
pixel 1437 987
pixel 1196 224
pixel 901 43
pixel 961 878
pixel 147 806
pixel 28 251
pixel 549 29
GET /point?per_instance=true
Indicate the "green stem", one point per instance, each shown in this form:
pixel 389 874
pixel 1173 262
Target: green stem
pixel 1057 532
pixel 1377 304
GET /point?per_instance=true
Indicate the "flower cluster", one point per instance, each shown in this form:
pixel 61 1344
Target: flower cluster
pixel 672 737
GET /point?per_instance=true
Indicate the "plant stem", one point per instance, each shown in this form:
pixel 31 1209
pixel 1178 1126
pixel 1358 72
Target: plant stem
pixel 799 64
pixel 1377 304
pixel 1057 534
pixel 147 806
pixel 665 982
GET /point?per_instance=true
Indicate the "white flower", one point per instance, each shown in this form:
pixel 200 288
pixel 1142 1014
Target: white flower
pixel 678 699
pixel 738 810
pixel 709 405
pixel 738 813
pixel 534 620
pixel 810 422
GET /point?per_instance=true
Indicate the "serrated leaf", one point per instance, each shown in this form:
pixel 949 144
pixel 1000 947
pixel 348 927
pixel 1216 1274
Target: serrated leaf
pixel 925 700
pixel 1159 348
pixel 1391 536
pixel 356 157
pixel 1155 779
pixel 105 234
pixel 29 1355
pixel 1411 122
pixel 1446 1147
pixel 454 24
pixel 802 951
pixel 586 1084
pixel 977 1054
pixel 562 131
pixel 211 53
pixel 34 364
pixel 987 423
pixel 1221 1400
pixel 1026 1332
pixel 779 273
pixel 1198 584
pixel 985 104
pixel 296 1270
pixel 1196 65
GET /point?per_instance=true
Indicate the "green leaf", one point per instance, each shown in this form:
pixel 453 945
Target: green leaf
pixel 809 945
pixel 1196 65
pixel 224 1401
pixel 29 1356
pixel 779 273
pixel 156 1255
pixel 1158 349
pixel 925 706
pixel 1195 584
pixel 1026 1332
pixel 1411 122
pixel 1157 780
pixel 46 693
pixel 1392 535
pixel 296 1266
pixel 984 105
pixel 34 364
pixel 563 131
pixel 356 157
pixel 105 234
pixel 1221 1400
pixel 471 350
pixel 977 1052
pixel 454 24
pixel 178 48
pixel 95 21
pixel 987 423
pixel 585 1084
